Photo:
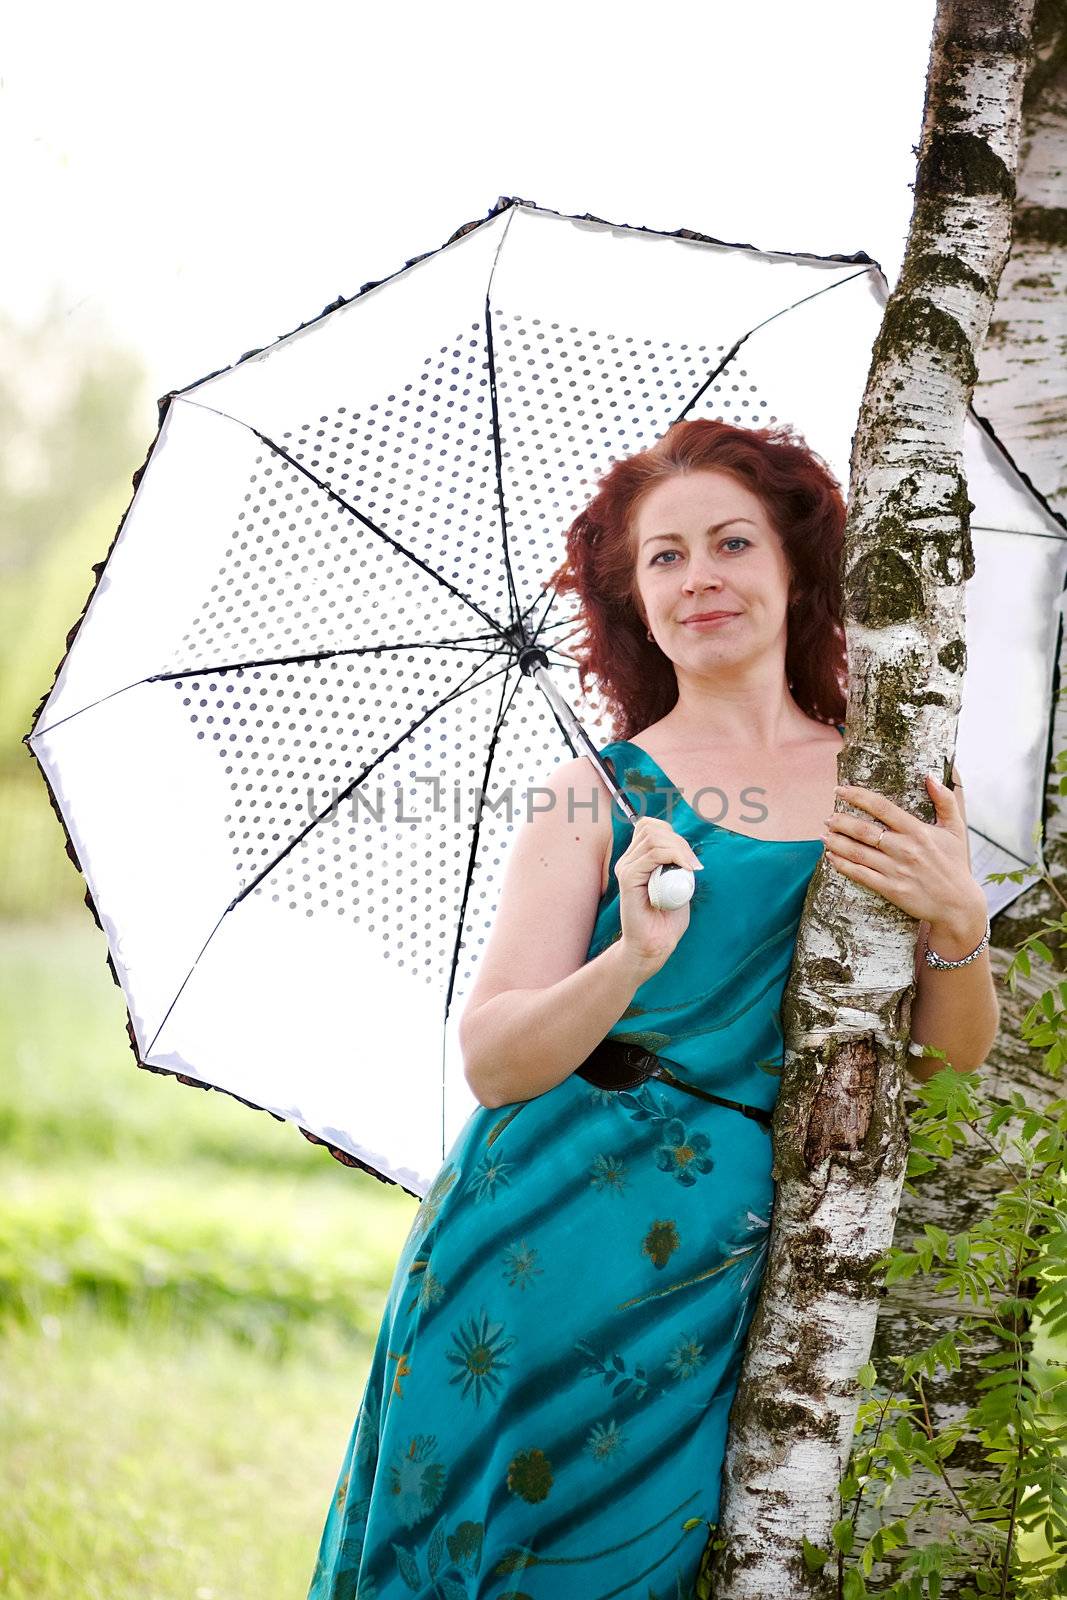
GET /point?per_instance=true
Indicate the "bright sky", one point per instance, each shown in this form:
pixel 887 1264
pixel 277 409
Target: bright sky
pixel 205 177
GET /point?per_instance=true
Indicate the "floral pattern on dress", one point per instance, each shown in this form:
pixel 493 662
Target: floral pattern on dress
pixel 687 1357
pixel 614 1371
pixel 416 1479
pixel 660 1242
pixel 478 1351
pixel 490 1176
pixel 426 1215
pixel 520 1265
pixel 608 1173
pixel 683 1154
pixel 530 1475
pixel 606 1441
pixel 430 1289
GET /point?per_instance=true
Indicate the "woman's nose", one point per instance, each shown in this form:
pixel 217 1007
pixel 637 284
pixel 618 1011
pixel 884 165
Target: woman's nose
pixel 701 575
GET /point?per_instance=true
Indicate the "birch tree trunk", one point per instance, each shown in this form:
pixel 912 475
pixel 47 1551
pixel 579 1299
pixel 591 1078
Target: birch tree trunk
pixel 1022 391
pixel 840 1131
pixel 1022 374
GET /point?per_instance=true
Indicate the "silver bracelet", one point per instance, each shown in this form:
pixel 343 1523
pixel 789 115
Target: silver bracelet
pixel 932 958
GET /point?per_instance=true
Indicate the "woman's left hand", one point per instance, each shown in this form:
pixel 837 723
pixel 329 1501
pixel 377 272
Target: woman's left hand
pixel 922 867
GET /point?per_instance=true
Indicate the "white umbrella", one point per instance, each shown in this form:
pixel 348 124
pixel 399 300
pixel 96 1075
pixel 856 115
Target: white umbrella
pixel 322 630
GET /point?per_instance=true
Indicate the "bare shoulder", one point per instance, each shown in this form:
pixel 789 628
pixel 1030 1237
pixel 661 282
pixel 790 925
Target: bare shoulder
pixel 579 777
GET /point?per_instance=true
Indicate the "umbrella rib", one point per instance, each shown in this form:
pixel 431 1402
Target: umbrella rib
pixel 563 622
pixel 987 838
pixel 204 671
pixel 40 733
pixel 498 454
pixel 475 642
pixel 477 825
pixel 346 505
pixel 473 852
pixel 472 856
pixel 544 620
pixel 454 694
pixel 543 625
pixel 498 458
pixel 271 661
pixel 1017 533
pixel 781 312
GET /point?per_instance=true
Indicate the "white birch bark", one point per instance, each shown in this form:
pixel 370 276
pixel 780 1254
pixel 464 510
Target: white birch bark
pixel 1022 371
pixel 840 1134
pixel 1022 391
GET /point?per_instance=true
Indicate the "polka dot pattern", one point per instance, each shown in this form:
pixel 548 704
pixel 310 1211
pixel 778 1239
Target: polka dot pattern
pixel 355 667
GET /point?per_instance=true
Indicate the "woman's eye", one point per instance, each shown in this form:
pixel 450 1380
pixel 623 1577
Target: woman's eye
pixel 737 539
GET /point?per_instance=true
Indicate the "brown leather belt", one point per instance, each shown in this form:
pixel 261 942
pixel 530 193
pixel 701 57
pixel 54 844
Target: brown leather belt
pixel 617 1065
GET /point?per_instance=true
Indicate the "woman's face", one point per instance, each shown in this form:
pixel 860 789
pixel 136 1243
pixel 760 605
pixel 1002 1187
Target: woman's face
pixel 703 542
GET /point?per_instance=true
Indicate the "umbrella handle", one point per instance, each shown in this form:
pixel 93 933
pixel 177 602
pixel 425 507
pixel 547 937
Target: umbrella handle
pixel 671 886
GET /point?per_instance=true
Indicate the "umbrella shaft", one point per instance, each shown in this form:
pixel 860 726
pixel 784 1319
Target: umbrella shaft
pixel 577 737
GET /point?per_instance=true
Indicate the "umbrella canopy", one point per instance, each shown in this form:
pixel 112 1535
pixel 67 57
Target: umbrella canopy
pixel 305 662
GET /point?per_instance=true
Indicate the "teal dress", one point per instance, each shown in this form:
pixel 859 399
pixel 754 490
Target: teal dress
pixel 545 1413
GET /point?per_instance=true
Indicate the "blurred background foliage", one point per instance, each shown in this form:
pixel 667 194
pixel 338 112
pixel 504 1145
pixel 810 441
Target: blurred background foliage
pixel 189 1291
pixel 75 423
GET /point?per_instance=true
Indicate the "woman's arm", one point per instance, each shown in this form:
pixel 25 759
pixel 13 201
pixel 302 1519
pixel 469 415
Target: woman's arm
pixel 538 1007
pixel 523 1042
pixel 958 1011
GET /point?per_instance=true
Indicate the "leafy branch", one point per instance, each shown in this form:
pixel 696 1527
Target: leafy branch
pixel 1002 1527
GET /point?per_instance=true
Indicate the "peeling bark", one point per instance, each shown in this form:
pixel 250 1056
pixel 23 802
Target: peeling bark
pixel 840 1127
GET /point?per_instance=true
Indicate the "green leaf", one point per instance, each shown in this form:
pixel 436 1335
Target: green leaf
pixel 939 1239
pixel 843 1534
pixel 814 1558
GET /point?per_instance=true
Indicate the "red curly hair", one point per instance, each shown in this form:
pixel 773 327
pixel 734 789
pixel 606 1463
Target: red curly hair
pixel 805 506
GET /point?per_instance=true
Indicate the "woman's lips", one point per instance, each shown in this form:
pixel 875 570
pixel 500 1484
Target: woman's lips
pixel 710 622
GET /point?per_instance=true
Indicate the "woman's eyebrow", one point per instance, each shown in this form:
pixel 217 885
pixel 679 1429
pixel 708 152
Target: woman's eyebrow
pixel 716 527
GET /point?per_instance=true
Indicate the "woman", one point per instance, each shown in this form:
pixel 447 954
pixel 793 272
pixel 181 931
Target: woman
pixel 546 1409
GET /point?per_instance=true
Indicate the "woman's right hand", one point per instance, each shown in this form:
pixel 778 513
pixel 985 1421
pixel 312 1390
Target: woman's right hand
pixel 651 935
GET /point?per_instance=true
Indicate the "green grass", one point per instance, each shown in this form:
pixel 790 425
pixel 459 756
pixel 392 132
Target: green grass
pixel 141 1465
pixel 262 1258
pixel 189 1291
